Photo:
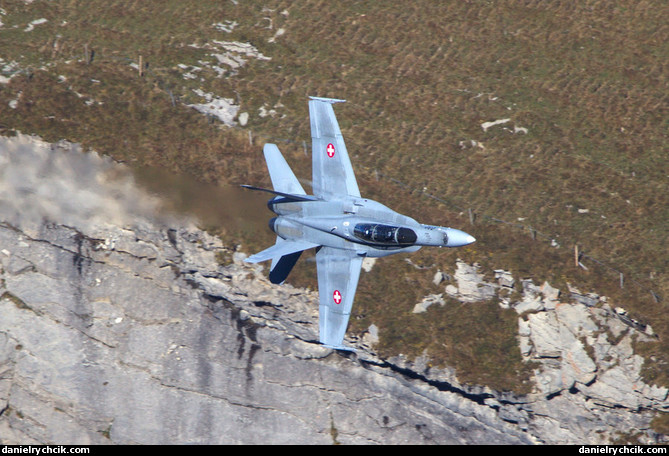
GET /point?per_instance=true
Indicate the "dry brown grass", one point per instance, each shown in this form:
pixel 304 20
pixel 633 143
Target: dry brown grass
pixel 588 80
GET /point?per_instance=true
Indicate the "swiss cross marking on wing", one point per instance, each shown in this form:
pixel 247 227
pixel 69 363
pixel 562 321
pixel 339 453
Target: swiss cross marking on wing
pixel 336 296
pixel 330 150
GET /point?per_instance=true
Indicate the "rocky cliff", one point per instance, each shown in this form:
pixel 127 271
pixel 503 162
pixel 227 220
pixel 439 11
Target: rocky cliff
pixel 119 324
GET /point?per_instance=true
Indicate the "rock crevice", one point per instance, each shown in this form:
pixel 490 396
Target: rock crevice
pixel 120 326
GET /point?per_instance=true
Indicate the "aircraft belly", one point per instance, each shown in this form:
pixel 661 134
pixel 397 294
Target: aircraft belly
pixel 326 239
pixel 374 252
pixel 321 208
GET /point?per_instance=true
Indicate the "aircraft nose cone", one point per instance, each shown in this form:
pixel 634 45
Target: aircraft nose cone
pixel 457 238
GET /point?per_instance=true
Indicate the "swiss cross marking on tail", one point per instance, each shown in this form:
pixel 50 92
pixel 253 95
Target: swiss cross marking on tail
pixel 336 296
pixel 330 149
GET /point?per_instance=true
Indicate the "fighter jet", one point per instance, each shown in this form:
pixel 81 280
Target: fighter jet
pixel 342 226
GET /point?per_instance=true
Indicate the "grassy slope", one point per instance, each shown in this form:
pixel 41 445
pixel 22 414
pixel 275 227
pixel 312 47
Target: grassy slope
pixel 587 81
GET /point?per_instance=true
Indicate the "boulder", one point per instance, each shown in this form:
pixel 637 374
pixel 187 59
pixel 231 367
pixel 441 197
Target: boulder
pixel 428 301
pixel 471 286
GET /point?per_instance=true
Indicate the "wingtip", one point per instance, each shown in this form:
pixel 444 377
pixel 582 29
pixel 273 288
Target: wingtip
pixel 340 347
pixel 328 100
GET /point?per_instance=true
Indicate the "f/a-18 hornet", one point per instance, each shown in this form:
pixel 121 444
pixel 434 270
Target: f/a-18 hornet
pixel 342 226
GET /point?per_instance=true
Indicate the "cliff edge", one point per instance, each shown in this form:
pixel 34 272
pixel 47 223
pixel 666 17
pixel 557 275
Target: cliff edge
pixel 120 324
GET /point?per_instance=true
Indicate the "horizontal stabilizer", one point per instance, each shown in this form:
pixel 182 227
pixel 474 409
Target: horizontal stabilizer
pixel 285 195
pixel 280 249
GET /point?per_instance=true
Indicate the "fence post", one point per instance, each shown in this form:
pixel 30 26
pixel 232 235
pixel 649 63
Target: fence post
pixel 141 66
pixel 622 280
pixel 576 255
pixel 656 297
pixel 56 47
pixel 471 216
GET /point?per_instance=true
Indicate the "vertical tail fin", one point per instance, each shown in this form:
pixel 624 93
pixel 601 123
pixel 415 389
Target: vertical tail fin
pixel 283 178
pixel 284 254
pixel 281 267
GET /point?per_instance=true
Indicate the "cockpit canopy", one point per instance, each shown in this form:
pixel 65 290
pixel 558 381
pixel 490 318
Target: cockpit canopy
pixel 385 234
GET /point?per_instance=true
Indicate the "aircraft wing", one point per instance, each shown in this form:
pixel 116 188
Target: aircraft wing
pixel 338 273
pixel 332 173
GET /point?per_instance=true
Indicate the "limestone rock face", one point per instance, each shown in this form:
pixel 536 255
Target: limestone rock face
pixel 122 328
pixel 101 345
pixel 471 286
pixel 588 384
pixel 119 325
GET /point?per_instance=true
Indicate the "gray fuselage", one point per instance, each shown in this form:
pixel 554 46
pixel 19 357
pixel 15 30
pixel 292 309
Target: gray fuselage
pixel 365 226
